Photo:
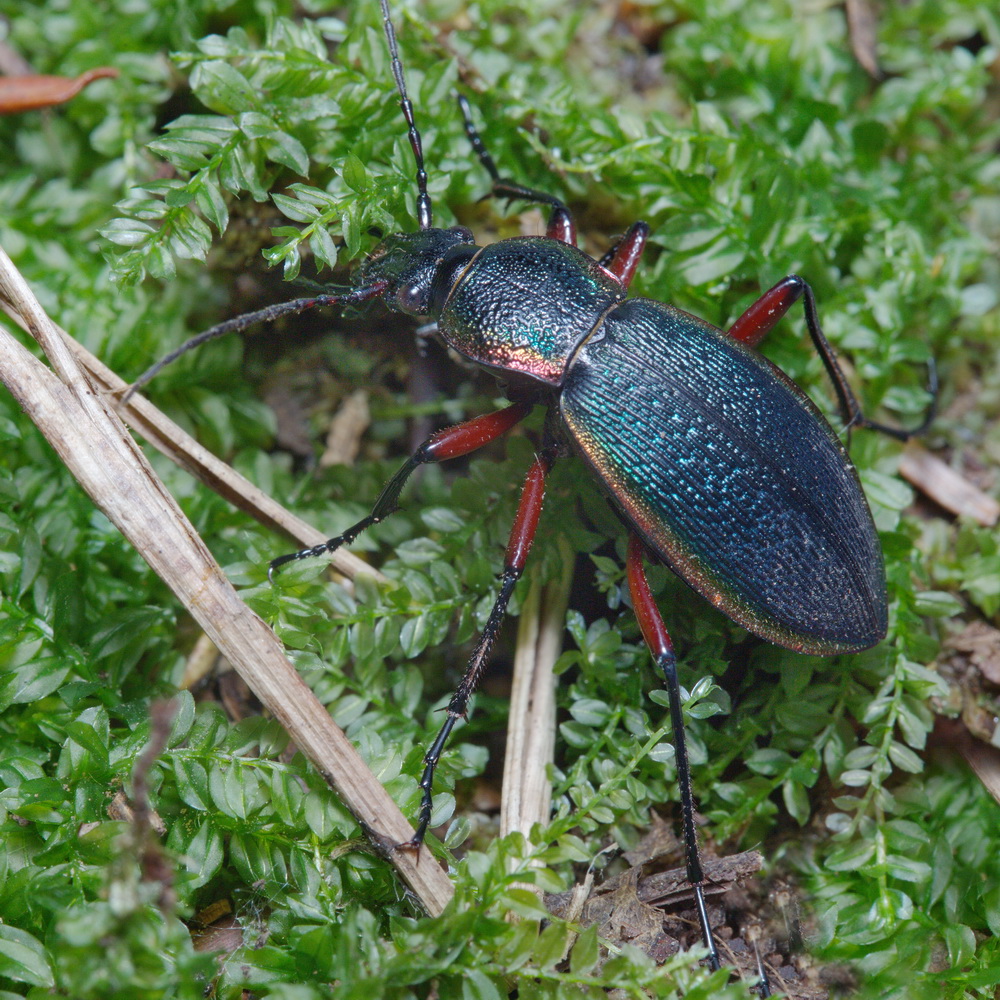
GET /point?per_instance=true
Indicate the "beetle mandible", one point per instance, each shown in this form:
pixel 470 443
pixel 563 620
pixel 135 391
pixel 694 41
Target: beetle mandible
pixel 720 467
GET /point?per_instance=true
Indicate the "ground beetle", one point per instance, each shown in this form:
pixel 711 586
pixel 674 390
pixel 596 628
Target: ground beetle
pixel 718 464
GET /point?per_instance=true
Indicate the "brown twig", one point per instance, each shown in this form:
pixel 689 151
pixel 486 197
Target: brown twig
pixel 174 442
pixel 73 414
pixel 28 93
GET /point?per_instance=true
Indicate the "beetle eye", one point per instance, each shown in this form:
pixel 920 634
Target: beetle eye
pixel 410 298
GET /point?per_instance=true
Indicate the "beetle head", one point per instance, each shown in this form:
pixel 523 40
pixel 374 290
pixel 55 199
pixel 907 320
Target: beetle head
pixel 410 263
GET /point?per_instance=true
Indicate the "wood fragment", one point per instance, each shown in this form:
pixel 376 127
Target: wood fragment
pixel 862 29
pixel 200 663
pixel 291 431
pixel 526 796
pixel 630 908
pixel 173 441
pixel 983 758
pixel 981 642
pixel 659 840
pixel 667 888
pixel 347 427
pixel 942 484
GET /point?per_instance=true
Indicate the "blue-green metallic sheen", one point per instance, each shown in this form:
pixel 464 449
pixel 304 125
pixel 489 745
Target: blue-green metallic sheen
pixel 717 460
pixel 522 306
pixel 728 472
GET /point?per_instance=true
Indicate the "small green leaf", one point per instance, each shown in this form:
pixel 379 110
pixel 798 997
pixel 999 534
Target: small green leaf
pixel 585 953
pixel 576 734
pixel 23 958
pixel 904 758
pixel 851 857
pixel 204 855
pixel 937 604
pixel 413 636
pixel 769 761
pixel 287 150
pixel 212 205
pixel 355 174
pixel 192 783
pixel 127 232
pixel 552 944
pixel 717 261
pixel 443 519
pixel 255 125
pixel 796 800
pixel 525 903
pixel 323 247
pixel 319 817
pixel 886 491
pixel 94 742
pixel 223 88
pixel 590 712
pixel 907 869
pixel 476 985
pixel 856 778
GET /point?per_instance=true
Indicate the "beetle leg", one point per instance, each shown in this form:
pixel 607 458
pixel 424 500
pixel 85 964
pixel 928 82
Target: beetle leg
pixel 658 640
pixel 451 442
pixel 762 316
pixel 850 409
pixel 560 225
pixel 764 982
pixel 521 536
pixel 623 258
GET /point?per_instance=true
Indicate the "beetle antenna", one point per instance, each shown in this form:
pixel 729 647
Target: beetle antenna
pixel 423 198
pixel 266 315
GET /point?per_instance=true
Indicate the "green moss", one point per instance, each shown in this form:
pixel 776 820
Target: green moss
pixel 754 148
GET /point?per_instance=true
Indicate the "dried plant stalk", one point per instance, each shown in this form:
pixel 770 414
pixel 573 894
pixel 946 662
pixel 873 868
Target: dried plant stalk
pixel 526 796
pixel 182 449
pixel 73 414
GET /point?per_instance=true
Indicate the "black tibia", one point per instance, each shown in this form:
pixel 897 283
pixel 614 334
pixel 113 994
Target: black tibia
pixel 658 640
pixel 444 444
pixel 521 536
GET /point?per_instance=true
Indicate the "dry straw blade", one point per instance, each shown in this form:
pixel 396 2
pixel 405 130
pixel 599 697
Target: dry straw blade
pixel 74 412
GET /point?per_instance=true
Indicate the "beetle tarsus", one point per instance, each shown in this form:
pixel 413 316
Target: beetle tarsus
pixel 763 983
pixel 654 632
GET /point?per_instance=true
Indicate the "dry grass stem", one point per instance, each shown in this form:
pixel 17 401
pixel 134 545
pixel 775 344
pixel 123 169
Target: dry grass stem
pixel 72 410
pixel 526 796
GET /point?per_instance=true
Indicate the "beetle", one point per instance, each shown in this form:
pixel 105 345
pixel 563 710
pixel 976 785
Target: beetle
pixel 720 467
